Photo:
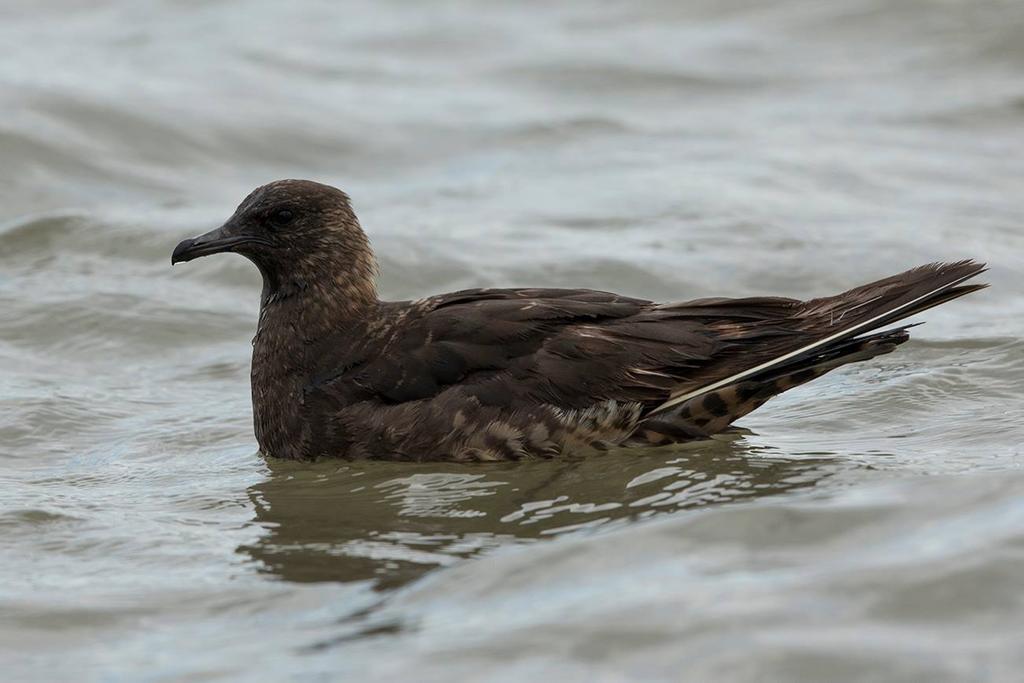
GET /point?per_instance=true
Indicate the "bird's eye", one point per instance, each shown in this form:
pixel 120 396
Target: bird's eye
pixel 282 216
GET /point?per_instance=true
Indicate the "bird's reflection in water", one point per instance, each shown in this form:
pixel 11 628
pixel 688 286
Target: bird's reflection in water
pixel 392 522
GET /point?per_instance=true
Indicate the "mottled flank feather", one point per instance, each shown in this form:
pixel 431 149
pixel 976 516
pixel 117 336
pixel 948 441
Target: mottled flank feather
pixel 509 374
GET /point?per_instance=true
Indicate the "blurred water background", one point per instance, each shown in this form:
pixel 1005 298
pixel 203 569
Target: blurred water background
pixel 868 527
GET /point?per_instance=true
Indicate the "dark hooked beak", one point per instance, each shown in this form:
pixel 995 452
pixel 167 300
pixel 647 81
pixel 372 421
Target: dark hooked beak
pixel 216 241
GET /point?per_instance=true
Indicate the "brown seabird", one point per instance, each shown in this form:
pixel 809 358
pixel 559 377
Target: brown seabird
pixel 507 374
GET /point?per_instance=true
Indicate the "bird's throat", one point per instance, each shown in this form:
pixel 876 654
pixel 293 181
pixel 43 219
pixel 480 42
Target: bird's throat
pixel 296 327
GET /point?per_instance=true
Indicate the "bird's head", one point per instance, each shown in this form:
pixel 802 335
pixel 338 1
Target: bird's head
pixel 300 234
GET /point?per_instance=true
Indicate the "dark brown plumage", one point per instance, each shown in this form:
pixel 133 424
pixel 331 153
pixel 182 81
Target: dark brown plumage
pixel 504 374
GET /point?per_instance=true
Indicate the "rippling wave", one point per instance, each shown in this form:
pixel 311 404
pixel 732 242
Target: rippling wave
pixel 864 527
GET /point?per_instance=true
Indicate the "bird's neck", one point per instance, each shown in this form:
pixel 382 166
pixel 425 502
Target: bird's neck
pixel 297 322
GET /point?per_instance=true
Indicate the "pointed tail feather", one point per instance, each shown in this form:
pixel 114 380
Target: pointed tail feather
pixel 833 320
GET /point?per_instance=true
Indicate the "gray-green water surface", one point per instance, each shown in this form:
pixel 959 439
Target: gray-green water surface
pixel 867 527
